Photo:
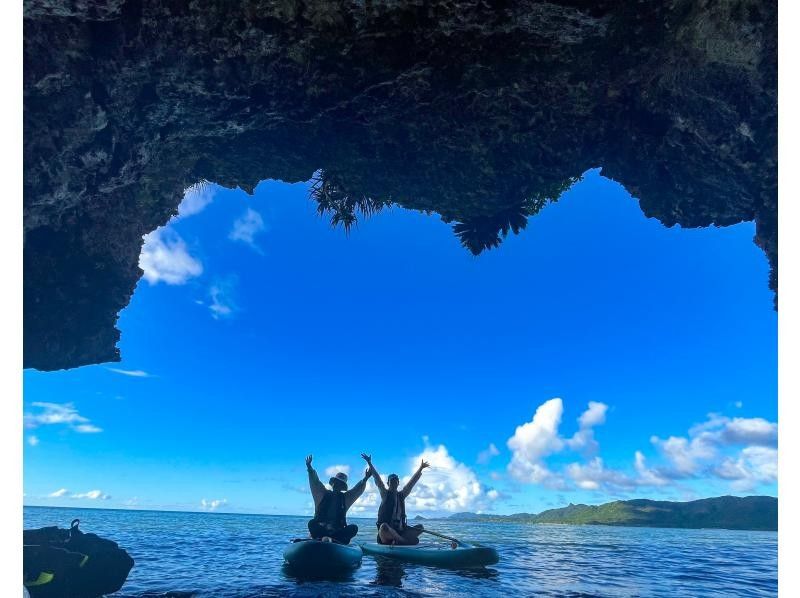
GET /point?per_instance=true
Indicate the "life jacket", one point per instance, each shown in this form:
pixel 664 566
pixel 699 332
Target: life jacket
pixel 331 510
pixel 387 508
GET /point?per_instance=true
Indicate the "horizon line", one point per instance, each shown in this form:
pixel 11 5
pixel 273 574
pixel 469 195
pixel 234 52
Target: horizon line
pixel 200 512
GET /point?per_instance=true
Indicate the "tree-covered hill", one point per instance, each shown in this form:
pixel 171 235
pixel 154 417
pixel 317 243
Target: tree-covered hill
pixel 725 512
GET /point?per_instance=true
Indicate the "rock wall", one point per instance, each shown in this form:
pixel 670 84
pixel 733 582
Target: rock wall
pixel 467 108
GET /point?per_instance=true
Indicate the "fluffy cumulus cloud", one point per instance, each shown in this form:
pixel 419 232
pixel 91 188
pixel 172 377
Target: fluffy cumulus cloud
pixel 594 475
pixel 448 485
pixel 708 442
pixel 753 466
pixel 535 440
pixel 646 475
pixel 753 431
pixel 213 504
pixel 58 414
pixel 334 469
pixel 539 438
pixel 583 440
pixel 247 227
pixel 741 451
pixel 684 454
pixel 165 258
pixel 59 493
pixel 367 503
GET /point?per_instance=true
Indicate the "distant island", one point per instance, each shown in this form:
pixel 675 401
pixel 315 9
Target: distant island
pixel 723 512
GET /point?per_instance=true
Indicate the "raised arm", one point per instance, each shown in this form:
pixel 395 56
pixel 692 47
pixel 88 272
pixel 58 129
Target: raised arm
pixel 317 487
pixel 375 475
pixel 352 495
pixel 414 478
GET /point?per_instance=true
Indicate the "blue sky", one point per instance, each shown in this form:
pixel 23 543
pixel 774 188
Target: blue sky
pixel 597 355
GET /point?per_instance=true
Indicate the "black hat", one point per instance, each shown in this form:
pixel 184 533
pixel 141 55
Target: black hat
pixel 340 478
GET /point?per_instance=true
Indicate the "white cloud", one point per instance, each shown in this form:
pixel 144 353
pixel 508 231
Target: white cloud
pixel 246 227
pixel 594 415
pixel 739 450
pixel 92 495
pixel 583 440
pixel 165 258
pixel 213 505
pixel 535 440
pixel 368 502
pixel 196 198
pixel 684 454
pixel 87 429
pixel 754 465
pixel 448 485
pixel 706 441
pixel 753 431
pixel 33 440
pixel 131 373
pixel 594 475
pixel 486 455
pixel 222 303
pixel 59 414
pixel 334 469
pixel 742 451
pixel 647 476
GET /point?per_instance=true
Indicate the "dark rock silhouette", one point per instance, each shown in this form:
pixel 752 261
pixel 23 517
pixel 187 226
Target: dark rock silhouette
pixel 67 563
pixel 479 110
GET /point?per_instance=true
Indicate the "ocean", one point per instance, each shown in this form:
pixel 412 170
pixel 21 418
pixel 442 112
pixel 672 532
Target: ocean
pixel 231 555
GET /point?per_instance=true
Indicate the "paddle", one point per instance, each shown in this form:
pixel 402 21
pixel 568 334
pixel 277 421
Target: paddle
pixel 459 542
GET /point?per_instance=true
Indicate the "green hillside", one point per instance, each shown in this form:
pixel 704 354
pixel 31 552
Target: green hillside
pixel 725 512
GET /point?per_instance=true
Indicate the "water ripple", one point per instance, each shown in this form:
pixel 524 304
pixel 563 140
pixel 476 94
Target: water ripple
pixel 200 555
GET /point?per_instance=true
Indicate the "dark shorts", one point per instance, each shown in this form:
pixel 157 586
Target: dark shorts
pixel 342 536
pixel 410 536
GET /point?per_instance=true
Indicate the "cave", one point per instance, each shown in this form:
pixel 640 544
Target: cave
pixel 480 111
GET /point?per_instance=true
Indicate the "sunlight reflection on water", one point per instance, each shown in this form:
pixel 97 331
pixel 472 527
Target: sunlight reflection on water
pixel 237 556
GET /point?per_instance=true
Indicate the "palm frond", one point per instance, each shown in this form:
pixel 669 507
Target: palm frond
pixel 480 233
pixel 344 207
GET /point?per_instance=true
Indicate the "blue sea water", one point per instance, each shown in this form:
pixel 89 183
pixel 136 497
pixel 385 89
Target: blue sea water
pixel 237 556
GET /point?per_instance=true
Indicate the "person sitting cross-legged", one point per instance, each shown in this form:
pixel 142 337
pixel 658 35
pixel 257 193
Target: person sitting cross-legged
pixel 330 506
pixel 393 527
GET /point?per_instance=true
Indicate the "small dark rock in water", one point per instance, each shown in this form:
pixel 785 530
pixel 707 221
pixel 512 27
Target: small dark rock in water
pixel 61 563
